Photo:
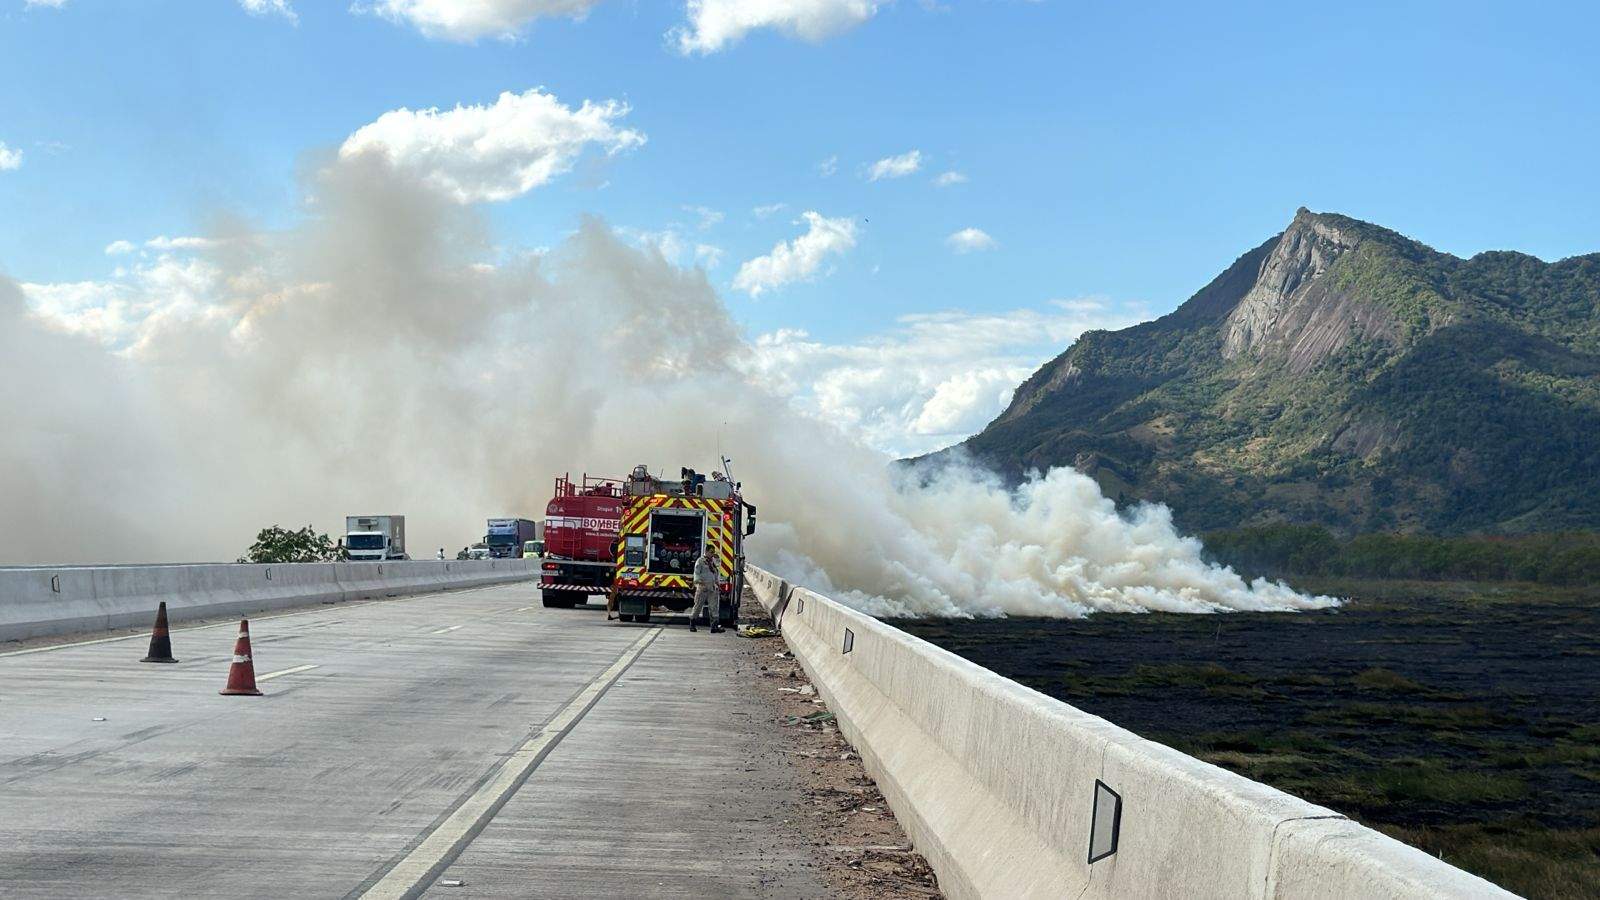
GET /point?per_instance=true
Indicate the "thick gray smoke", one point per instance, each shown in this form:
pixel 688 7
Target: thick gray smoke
pixel 386 357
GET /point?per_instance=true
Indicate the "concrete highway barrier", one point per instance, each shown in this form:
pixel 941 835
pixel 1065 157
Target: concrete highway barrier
pixel 39 602
pixel 1009 793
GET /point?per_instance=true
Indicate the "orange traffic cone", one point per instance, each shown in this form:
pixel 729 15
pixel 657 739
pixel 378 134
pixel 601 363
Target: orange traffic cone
pixel 160 641
pixel 242 674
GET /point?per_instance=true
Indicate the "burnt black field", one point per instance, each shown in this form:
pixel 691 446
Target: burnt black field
pixel 1461 718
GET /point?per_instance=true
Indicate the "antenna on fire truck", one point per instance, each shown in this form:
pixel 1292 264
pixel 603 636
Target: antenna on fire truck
pixel 727 468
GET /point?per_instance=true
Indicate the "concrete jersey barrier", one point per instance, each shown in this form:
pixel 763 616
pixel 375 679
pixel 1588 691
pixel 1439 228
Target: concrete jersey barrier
pixel 39 602
pixel 1000 786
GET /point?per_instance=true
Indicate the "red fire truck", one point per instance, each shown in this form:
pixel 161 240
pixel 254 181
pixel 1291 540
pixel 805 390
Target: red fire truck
pixel 580 535
pixel 665 525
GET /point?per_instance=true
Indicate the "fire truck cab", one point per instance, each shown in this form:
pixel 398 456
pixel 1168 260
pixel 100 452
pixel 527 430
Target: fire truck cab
pixel 665 525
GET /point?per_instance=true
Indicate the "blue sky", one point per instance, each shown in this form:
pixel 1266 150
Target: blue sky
pixel 1115 156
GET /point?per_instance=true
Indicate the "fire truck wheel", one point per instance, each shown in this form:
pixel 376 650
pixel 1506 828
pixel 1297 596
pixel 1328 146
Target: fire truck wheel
pixel 626 617
pixel 641 617
pixel 555 600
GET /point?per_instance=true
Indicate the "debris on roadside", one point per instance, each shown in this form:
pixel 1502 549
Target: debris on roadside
pixel 855 839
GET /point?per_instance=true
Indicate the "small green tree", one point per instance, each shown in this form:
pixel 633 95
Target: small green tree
pixel 280 545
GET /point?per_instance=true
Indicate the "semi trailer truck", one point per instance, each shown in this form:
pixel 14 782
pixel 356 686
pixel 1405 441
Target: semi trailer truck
pixel 375 538
pixel 505 537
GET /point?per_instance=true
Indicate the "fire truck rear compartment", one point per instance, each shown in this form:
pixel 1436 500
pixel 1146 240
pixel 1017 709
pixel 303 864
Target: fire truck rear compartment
pixel 676 537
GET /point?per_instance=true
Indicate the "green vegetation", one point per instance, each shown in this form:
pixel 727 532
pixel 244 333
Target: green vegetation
pixel 1283 551
pixel 1526 857
pixel 1396 389
pixel 281 545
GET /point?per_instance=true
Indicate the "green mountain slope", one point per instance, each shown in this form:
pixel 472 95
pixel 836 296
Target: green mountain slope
pixel 1339 374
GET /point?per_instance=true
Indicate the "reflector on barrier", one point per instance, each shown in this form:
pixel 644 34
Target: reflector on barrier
pixel 849 640
pixel 1106 822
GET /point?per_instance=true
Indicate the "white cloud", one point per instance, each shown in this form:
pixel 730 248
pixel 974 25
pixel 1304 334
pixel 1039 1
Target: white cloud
pixel 270 8
pixel 895 166
pixel 179 243
pixel 827 167
pixel 708 255
pixel 455 20
pixel 674 248
pixel 497 152
pixel 946 179
pixel 708 216
pixel 968 240
pixel 119 248
pixel 762 212
pixel 9 159
pixel 715 24
pixel 48 4
pixel 799 259
pixel 119 312
pixel 932 379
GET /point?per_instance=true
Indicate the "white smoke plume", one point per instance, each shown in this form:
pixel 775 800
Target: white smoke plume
pixel 385 357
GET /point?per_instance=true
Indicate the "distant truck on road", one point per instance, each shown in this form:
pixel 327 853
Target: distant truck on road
pixel 505 537
pixel 580 536
pixel 375 538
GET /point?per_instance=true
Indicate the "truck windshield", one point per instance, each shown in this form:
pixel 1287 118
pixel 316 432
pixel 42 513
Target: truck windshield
pixel 501 540
pixel 364 542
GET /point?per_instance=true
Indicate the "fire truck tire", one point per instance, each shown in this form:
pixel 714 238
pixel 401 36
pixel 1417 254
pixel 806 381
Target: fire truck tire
pixel 641 617
pixel 626 617
pixel 555 600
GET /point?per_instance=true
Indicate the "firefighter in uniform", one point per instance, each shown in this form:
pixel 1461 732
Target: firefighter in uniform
pixel 706 596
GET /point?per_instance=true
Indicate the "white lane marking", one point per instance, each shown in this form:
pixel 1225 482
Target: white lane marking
pixel 522 609
pixel 109 640
pixel 445 630
pixel 229 624
pixel 272 675
pixel 439 849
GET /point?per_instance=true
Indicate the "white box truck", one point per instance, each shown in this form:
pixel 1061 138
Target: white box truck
pixel 375 538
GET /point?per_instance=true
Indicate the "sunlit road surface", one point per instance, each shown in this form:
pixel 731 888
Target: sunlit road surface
pixel 466 744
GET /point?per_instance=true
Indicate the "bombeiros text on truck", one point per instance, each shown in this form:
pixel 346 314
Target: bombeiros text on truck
pixel 665 524
pixel 580 535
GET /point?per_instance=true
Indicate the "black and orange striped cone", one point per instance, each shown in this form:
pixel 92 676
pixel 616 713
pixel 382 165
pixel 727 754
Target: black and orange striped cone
pixel 242 674
pixel 160 641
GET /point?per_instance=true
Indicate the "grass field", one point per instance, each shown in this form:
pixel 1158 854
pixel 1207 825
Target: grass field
pixel 1461 718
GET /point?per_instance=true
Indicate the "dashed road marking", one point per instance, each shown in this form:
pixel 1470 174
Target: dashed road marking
pixel 411 875
pixel 445 630
pixel 271 675
pixel 522 609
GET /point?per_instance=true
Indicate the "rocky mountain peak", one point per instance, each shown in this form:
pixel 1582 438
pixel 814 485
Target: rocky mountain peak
pixel 1338 373
pixel 1307 248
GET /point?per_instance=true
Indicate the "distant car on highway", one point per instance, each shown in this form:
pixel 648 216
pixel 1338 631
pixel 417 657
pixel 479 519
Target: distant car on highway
pixel 478 553
pixel 532 549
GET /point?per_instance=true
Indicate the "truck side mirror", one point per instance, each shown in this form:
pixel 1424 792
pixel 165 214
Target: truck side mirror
pixel 750 526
